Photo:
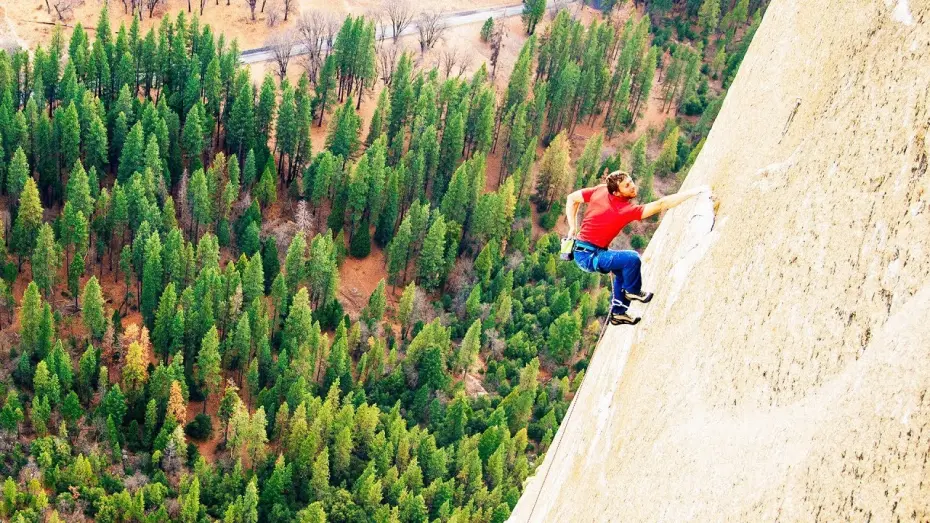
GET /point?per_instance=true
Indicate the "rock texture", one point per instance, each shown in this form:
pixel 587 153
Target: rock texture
pixel 783 371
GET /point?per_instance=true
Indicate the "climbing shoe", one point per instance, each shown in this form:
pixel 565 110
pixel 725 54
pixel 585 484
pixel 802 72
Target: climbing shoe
pixel 644 297
pixel 622 318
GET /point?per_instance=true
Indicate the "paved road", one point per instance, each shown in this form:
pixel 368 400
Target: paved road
pixel 264 54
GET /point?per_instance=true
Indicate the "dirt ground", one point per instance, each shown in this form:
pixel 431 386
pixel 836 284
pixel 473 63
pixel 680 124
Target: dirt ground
pixel 358 280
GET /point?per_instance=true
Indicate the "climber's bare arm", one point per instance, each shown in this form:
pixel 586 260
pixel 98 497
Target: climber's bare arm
pixel 572 203
pixel 672 200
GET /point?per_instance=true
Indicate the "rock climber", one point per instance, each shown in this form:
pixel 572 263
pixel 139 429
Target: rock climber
pixel 610 209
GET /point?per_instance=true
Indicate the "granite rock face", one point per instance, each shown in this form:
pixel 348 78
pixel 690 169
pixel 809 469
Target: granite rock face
pixel 782 373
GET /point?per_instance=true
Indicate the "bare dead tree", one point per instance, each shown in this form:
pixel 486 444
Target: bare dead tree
pixel 464 64
pixel 252 5
pixel 330 28
pixel 400 13
pixel 290 6
pixel 273 16
pixel 497 42
pixel 151 5
pixel 431 27
pixel 311 29
pixel 282 46
pixel 64 9
pixel 448 58
pixel 387 60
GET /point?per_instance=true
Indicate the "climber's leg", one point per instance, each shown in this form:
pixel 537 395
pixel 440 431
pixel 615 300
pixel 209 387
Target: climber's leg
pixel 627 279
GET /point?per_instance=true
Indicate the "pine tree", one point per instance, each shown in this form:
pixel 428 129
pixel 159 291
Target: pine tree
pixel 487 29
pixel 69 135
pixel 360 244
pixel 266 191
pixel 586 167
pixel 92 312
pixel 131 156
pixel 74 235
pixel 239 128
pixel 286 129
pixel 644 80
pixel 665 163
pixel 450 152
pixel 398 252
pixel 431 263
pixel 709 16
pixel 617 115
pixel 519 85
pixel 554 176
pixel 46 260
pixel 200 201
pixel 253 280
pixel 152 279
pixel 295 261
pixel 564 333
pixel 17 174
pixel 162 333
pixel 209 374
pixel 228 407
pixel 177 405
pixel 377 303
pixel 325 85
pixel 468 350
pixel 134 372
pixel 189 500
pixel 379 118
pixel 192 138
pixel 343 136
pixel 239 344
pixel 638 162
pixel 323 269
pixel 324 177
pixel 95 142
pixel 78 190
pixel 28 219
pixel 248 170
pixel 533 11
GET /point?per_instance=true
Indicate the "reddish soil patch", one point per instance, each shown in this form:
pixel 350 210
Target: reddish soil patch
pixel 359 278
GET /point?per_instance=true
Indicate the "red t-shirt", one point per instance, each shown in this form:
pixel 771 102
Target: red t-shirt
pixel 606 215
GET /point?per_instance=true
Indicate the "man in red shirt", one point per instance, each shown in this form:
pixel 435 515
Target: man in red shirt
pixel 610 209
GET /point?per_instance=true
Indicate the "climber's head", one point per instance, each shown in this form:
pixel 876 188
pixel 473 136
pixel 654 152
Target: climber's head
pixel 619 183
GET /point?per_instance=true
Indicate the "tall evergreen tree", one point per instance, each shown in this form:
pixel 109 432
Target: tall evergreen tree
pixel 343 137
pixel 533 11
pixel 162 333
pixel 131 156
pixel 450 152
pixel 92 312
pixel 28 219
pixel 519 84
pixel 431 263
pixel 68 130
pixel 46 260
pixel 398 252
pixel 17 173
pixel 152 279
pixel 554 172
pixel 208 365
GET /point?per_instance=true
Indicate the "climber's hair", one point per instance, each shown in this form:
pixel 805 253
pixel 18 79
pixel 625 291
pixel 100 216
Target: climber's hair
pixel 614 179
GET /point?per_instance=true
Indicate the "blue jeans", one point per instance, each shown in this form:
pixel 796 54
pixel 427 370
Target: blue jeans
pixel 624 265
